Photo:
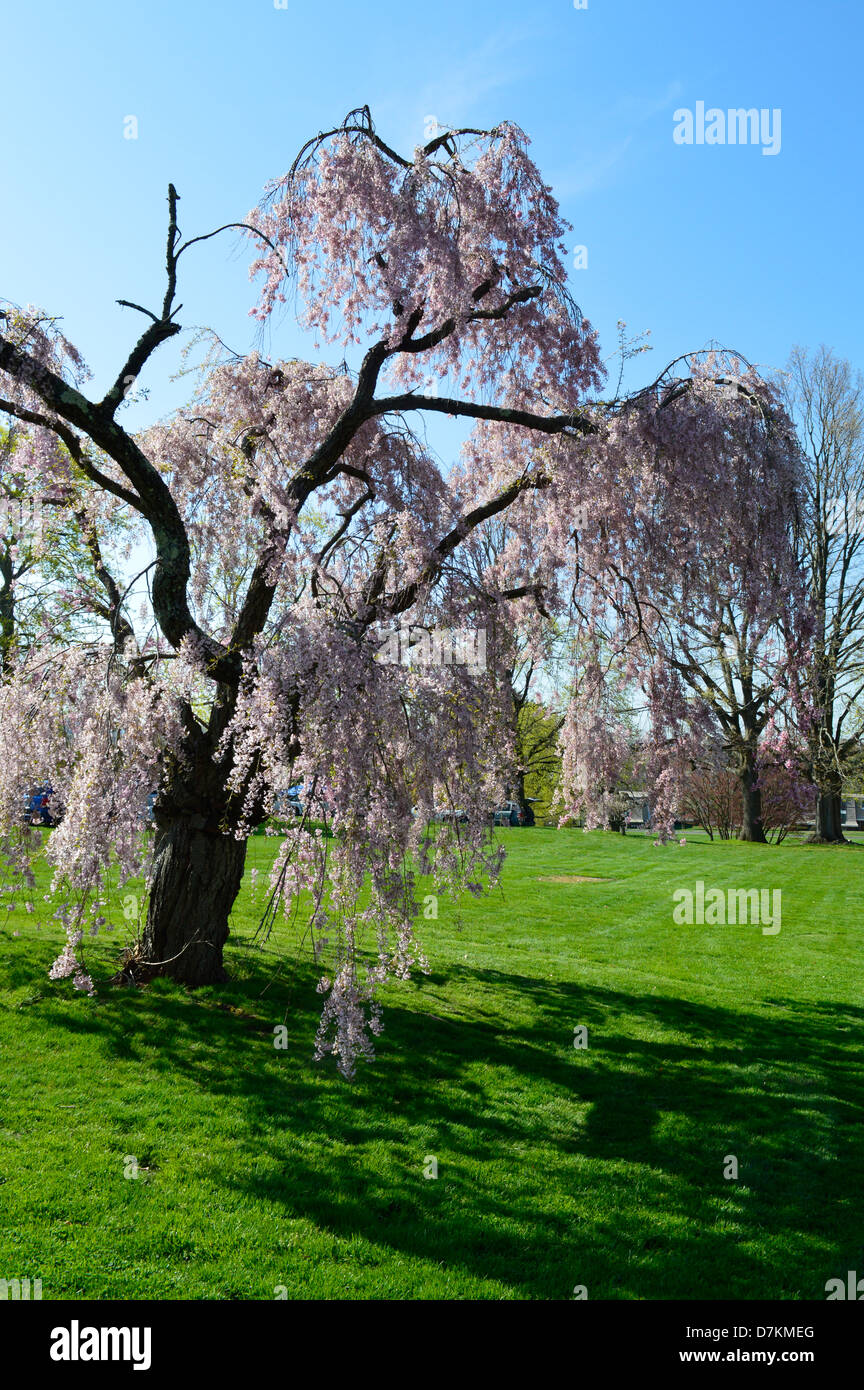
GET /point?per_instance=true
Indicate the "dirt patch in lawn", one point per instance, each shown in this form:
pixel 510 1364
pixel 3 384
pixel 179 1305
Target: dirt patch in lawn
pixel 569 878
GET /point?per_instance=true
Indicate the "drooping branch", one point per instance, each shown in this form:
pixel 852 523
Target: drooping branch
pixel 152 497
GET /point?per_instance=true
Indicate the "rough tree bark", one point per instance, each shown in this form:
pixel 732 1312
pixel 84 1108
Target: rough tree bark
pixel 195 880
pixel 198 862
pixel 751 801
pixel 829 819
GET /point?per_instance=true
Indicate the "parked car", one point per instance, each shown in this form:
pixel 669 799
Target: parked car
pixel 446 816
pixel 508 813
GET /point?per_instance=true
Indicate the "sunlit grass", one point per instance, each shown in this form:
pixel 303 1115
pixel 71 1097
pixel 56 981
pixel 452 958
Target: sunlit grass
pixel 260 1169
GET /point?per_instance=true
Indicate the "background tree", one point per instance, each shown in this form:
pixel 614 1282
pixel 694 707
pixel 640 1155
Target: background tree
pixel 712 794
pixel 704 574
pixel 538 755
pixel 601 748
pixel 825 398
pixel 499 561
pixel 788 800
pixel 58 535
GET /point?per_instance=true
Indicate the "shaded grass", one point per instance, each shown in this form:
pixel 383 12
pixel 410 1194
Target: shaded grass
pixel 261 1169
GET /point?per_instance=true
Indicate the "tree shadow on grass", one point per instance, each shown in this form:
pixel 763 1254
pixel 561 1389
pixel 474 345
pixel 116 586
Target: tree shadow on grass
pixel 556 1167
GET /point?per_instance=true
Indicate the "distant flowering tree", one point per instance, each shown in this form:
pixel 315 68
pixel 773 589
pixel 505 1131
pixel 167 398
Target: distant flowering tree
pixel 312 484
pixel 789 798
pixel 713 794
pixel 699 559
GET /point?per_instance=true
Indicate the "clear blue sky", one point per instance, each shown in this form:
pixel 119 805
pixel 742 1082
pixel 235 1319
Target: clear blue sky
pixel 695 243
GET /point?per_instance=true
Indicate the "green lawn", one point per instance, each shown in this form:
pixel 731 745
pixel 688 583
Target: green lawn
pixel 557 1167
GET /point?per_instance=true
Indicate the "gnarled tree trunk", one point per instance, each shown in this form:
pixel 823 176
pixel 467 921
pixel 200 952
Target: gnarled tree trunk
pixel 195 880
pixel 197 865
